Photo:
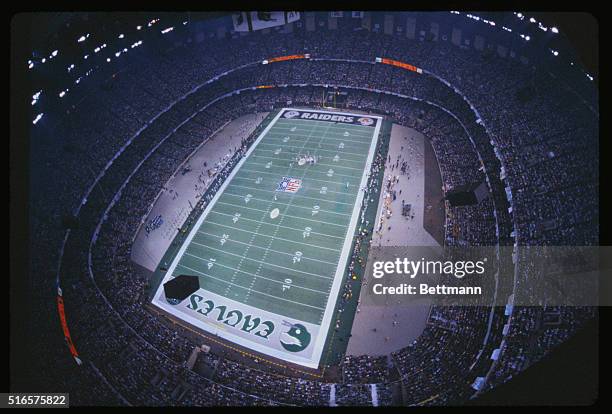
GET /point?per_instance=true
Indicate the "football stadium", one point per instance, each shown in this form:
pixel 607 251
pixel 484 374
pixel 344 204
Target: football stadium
pixel 275 245
pixel 306 208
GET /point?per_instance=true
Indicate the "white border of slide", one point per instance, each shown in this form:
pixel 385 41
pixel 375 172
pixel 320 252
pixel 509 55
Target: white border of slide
pixel 321 337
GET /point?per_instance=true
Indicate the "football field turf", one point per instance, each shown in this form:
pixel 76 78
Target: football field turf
pixel 270 250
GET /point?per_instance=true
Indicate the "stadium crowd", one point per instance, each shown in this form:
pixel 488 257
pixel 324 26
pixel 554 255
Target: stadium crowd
pixel 543 185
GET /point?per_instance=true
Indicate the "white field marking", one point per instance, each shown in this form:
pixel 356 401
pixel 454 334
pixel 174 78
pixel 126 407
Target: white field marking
pixel 259 261
pixel 324 138
pixel 246 251
pixel 296 195
pixel 272 224
pixel 339 137
pixel 277 238
pixel 318 149
pixel 329 191
pixel 318 163
pixel 263 248
pixel 291 198
pixel 313 179
pixel 296 206
pixel 314 171
pixel 245 288
pixel 360 162
pixel 333 133
pixel 296 217
pixel 321 145
pixel 254 275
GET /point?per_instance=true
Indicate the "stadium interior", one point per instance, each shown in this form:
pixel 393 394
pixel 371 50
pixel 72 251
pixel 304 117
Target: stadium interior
pixel 167 144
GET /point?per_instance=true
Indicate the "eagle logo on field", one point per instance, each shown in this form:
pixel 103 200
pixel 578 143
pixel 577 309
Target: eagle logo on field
pixel 365 121
pixel 291 114
pixel 296 339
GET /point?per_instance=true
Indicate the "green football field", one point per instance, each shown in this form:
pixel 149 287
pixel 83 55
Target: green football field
pixel 280 249
pixel 284 265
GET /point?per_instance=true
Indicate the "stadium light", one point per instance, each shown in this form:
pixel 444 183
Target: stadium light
pixel 62 94
pixel 554 30
pixel 96 50
pixel 138 27
pixel 30 64
pixel 35 97
pixel 38 117
pixel 108 59
pixel 81 39
pixel 117 54
pixel 532 20
pixel 554 52
pixel 54 53
pixel 85 57
pixel 121 36
pixel 169 29
pixel 43 60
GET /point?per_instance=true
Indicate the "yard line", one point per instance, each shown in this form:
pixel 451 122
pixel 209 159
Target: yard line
pixel 277 238
pixel 259 261
pixel 313 179
pixel 283 204
pixel 344 139
pixel 296 217
pixel 246 251
pixel 258 247
pixel 314 171
pixel 343 160
pixel 296 195
pixel 329 191
pixel 336 127
pixel 319 149
pixel 318 163
pixel 346 143
pixel 242 287
pixel 251 274
pixel 271 224
pixel 333 133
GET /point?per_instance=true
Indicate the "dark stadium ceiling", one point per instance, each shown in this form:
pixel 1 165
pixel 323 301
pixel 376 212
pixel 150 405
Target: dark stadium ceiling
pixel 58 29
pixel 50 30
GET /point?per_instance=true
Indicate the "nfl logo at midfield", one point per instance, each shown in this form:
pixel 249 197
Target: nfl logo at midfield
pixel 289 185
